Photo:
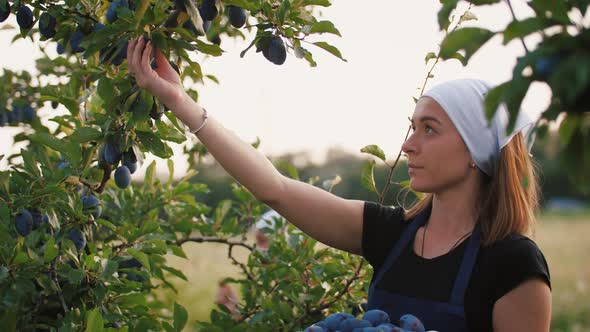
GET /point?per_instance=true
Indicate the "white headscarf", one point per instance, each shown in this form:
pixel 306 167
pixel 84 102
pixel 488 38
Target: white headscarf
pixel 463 101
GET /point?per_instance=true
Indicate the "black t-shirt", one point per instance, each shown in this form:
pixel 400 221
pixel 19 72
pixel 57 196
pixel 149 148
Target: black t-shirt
pixel 499 268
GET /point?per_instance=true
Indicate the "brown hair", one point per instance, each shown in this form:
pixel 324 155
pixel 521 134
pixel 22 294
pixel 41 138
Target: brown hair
pixel 509 200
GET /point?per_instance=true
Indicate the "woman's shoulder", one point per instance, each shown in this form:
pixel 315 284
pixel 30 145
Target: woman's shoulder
pixel 377 211
pixel 513 260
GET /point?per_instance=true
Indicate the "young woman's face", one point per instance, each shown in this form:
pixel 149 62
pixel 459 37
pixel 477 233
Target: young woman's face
pixel 438 159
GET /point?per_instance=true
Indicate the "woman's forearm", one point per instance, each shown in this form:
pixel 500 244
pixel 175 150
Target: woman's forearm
pixel 247 165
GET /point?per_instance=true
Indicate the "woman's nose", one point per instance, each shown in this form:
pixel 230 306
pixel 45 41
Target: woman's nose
pixel 409 146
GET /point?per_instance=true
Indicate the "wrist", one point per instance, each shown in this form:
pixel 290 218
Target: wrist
pixel 178 101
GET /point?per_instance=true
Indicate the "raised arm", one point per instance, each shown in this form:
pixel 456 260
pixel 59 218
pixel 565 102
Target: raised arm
pixel 328 218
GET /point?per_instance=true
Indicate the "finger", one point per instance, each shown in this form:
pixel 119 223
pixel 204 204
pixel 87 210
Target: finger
pixel 160 58
pixel 137 53
pixel 130 48
pixel 145 59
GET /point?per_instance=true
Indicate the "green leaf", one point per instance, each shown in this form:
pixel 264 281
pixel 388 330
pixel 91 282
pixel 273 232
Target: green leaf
pixel 50 250
pixel 148 180
pixel 106 90
pixel 331 49
pixel 180 317
pixel 94 321
pixel 374 150
pixel 50 141
pixel 367 178
pixel 519 29
pixel 210 49
pixel 430 55
pixel 170 172
pixel 323 3
pixel 86 134
pixel 177 251
pixel 154 144
pixel 175 272
pixel 443 14
pixel 459 57
pixel 324 27
pixel 468 39
pixel 494 98
pixel 551 9
pixel 140 256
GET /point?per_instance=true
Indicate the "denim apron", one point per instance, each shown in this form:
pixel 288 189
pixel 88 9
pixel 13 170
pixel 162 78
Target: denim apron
pixel 439 316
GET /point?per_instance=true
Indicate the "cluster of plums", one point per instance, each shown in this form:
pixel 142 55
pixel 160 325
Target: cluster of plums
pixel 374 320
pixel 111 154
pixel 24 114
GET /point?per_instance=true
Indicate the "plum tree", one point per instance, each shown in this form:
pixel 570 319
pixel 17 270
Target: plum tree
pixel 47 24
pixel 78 238
pixel 4 10
pixel 122 177
pixel 24 17
pixel 23 222
pixel 237 16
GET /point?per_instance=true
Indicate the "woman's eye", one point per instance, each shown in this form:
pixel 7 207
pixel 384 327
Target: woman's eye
pixel 428 127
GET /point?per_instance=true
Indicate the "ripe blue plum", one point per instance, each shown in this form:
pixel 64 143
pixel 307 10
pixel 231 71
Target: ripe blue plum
pixel 61 49
pixel 371 329
pixel 3 119
pixel 54 104
pixel 78 237
pixel 23 222
pixel 28 114
pixel 112 152
pixel 333 321
pixel 91 204
pixel 47 25
pixel 275 51
pixel 388 327
pixel 129 263
pixel 208 10
pixel 24 17
pixel 4 10
pixel 237 16
pixel 376 317
pixel 349 324
pixel 122 177
pixel 75 41
pixel 411 323
pixel 112 14
pixel 130 160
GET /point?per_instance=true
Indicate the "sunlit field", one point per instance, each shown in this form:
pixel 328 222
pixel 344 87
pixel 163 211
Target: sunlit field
pixel 563 238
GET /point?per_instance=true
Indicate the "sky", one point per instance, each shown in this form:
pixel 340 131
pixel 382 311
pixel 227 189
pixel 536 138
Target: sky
pixel 366 100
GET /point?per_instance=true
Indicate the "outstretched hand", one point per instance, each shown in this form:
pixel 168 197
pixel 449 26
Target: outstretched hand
pixel 163 82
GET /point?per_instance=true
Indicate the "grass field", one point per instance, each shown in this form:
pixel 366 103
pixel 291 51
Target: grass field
pixel 564 239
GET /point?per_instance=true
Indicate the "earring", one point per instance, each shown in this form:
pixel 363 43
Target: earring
pixel 472 164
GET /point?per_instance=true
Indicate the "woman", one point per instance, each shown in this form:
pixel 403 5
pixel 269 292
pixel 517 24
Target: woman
pixel 458 259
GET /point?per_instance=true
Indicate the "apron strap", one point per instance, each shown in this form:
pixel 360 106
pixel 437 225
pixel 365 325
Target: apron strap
pixel 401 244
pixel 466 268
